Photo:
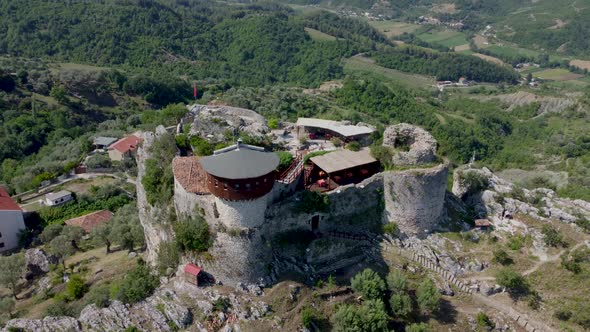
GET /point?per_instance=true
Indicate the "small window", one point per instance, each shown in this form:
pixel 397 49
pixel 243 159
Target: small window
pixel 248 186
pixel 1 244
pixel 225 186
pixel 257 184
pixel 216 183
pixel 264 180
pixel 237 186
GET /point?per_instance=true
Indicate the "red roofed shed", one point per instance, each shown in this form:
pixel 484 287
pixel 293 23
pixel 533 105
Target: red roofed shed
pixel 191 273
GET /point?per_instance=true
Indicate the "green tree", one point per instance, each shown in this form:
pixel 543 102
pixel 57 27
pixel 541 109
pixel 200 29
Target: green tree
pixel 401 305
pixel 59 92
pixel 101 235
pixel 285 159
pixel 137 285
pixel 369 284
pixel 168 256
pixel 62 248
pixel 76 287
pixel 192 234
pixel 13 267
pixel 308 316
pixel 368 317
pixel 427 296
pixel 50 232
pixel 126 230
pixel 74 234
pixel 516 284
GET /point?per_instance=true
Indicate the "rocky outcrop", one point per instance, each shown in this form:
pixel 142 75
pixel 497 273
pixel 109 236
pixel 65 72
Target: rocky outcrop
pixel 47 324
pixel 212 121
pixel 420 145
pixel 150 217
pixel 37 262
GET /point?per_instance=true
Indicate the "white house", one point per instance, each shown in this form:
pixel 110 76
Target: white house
pixel 60 197
pixel 11 222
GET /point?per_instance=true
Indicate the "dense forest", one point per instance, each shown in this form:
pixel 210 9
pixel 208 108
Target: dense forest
pixel 444 65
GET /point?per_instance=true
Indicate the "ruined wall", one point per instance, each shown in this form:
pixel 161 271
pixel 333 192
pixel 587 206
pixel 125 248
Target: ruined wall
pixel 414 199
pixel 350 210
pixel 151 218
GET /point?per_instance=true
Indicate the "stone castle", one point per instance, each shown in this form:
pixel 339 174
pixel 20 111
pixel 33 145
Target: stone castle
pixel 258 217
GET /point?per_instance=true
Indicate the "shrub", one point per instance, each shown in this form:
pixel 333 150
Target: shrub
pixel 201 146
pixel 273 123
pixel 285 159
pixel 168 256
pixel 513 281
pixel 516 242
pixel 313 201
pixel 390 228
pixel 563 314
pixel 308 316
pixel 137 285
pixel 50 232
pixel 397 282
pixel 401 305
pixel 584 224
pixel 222 304
pixel 428 296
pixel 417 327
pixel 99 160
pixel 192 234
pixel 76 287
pixel 474 181
pixel 502 257
pixel 336 141
pixel 98 295
pixel 368 317
pixel 552 237
pixel 353 146
pixel 369 284
pixel 484 321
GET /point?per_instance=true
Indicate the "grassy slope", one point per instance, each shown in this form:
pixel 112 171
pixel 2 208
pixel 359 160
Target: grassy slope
pixel 366 66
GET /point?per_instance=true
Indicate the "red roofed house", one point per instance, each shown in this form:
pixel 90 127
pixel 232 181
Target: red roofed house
pixel 191 273
pixel 11 222
pixel 125 147
pixel 90 221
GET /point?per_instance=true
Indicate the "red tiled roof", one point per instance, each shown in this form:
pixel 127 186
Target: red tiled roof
pixel 126 144
pixel 192 269
pixel 482 223
pixel 190 174
pixel 6 202
pixel 89 221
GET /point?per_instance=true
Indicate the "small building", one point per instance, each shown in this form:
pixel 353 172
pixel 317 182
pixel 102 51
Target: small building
pixel 326 129
pixel 240 172
pixel 58 198
pixel 102 142
pixel 125 147
pixel 483 224
pixel 340 168
pixel 192 273
pixel 92 220
pixel 11 222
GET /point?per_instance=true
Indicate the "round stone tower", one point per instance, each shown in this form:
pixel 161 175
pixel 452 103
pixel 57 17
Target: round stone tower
pixel 414 196
pixel 240 178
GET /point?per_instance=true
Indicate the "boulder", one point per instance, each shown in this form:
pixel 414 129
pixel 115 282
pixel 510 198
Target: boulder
pixel 38 262
pixel 419 143
pixel 47 324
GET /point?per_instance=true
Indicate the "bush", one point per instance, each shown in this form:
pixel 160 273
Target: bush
pixel 308 316
pixel 336 141
pixel 474 181
pixel 98 161
pixel 137 285
pixel 76 287
pixel 552 237
pixel 313 201
pixel 390 228
pixel 369 284
pixel 516 242
pixel 285 160
pixel 584 224
pixel 417 327
pixel 168 256
pixel 201 146
pixel 353 146
pixel 50 232
pixel 397 282
pixel 484 321
pixel 516 284
pixel 428 296
pixel 273 123
pixel 401 305
pixel 192 234
pixel 502 257
pixel 563 314
pixel 99 295
pixel 368 317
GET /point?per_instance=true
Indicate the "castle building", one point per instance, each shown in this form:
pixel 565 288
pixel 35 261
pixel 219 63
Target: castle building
pixel 11 222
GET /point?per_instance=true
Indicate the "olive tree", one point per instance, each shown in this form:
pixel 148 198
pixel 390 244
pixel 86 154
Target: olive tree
pixel 13 267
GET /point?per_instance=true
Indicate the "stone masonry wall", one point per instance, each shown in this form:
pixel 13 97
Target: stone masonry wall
pixel 414 198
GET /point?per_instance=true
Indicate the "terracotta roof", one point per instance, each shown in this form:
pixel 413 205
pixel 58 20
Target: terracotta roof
pixel 482 223
pixel 189 173
pixel 6 202
pixel 192 269
pixel 89 221
pixel 126 144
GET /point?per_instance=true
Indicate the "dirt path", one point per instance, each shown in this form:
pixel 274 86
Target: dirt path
pixel 550 259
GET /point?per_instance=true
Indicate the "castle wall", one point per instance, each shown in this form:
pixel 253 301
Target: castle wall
pixel 248 214
pixel 414 198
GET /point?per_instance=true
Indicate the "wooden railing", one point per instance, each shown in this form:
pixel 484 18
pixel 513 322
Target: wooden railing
pixel 293 171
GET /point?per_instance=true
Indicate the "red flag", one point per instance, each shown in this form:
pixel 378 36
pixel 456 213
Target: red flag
pixel 195 90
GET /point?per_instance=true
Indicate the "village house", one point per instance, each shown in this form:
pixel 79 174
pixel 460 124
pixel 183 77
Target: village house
pixel 11 222
pixel 125 147
pixel 58 198
pixel 90 221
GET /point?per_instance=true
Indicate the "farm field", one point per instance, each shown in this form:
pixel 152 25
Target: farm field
pixel 393 28
pixel 364 65
pixel 489 58
pixel 511 51
pixel 584 64
pixel 556 74
pixel 447 38
pixel 318 35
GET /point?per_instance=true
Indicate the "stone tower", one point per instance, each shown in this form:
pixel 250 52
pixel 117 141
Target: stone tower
pixel 414 195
